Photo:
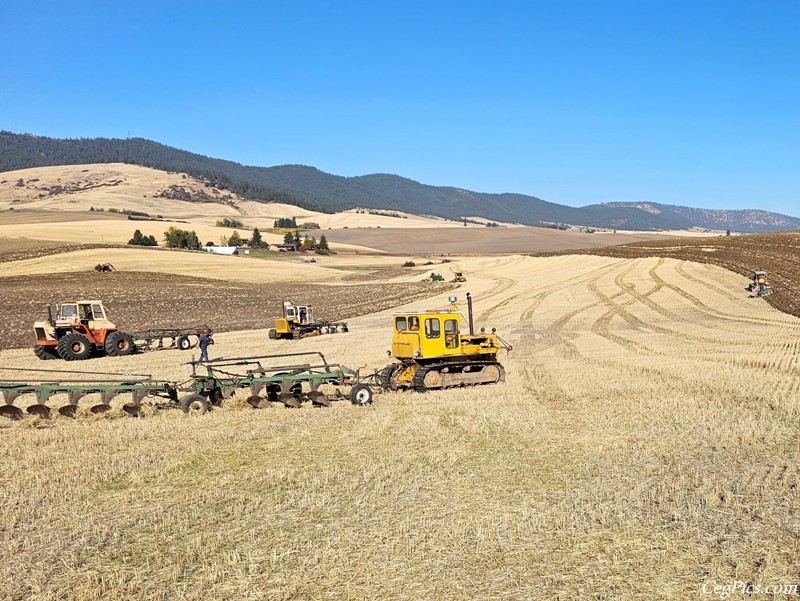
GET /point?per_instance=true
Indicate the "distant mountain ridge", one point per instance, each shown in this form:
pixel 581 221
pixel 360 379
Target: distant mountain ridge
pixel 313 189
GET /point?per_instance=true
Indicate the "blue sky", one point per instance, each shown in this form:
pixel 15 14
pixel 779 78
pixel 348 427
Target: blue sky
pixel 694 103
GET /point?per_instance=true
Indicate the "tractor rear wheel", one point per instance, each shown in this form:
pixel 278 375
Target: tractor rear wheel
pixel 183 343
pixel 74 347
pixel 45 352
pixel 119 344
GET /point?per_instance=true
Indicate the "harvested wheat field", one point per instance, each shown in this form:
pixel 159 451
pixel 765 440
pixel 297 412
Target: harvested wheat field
pixel 645 443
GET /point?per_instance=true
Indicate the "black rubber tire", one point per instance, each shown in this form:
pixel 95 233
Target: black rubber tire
pixel 195 404
pixel 119 344
pixel 183 343
pixel 74 347
pixel 45 353
pixel 361 394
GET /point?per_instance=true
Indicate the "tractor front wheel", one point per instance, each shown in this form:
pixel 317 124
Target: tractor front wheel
pixel 119 344
pixel 74 347
pixel 45 352
pixel 183 343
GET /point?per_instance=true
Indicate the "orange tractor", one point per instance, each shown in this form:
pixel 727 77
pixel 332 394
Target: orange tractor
pixel 76 330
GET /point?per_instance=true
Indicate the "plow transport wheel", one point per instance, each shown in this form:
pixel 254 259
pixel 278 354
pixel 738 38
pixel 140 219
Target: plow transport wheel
pixel 195 404
pixel 361 394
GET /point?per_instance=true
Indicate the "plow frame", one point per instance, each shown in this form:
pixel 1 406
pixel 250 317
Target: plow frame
pixel 283 383
pixel 139 386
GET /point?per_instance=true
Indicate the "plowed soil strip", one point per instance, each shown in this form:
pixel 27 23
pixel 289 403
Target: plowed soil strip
pixel 137 300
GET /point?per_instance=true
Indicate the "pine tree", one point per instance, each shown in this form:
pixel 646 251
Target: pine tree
pixel 255 240
pixel 288 238
pixel 235 239
pixel 322 247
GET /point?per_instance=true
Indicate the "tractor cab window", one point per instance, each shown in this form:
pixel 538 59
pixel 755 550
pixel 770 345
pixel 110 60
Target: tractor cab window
pixel 68 311
pixel 400 324
pixel 302 315
pixel 290 313
pixel 451 333
pixel 86 312
pixel 98 312
pixel 432 328
pixel 413 323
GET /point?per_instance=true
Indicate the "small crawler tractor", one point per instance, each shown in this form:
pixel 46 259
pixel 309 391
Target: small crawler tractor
pixel 431 353
pixel 298 322
pixel 77 329
pixel 459 277
pixel 760 286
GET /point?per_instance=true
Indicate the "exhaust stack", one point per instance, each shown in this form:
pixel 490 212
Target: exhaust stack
pixel 469 314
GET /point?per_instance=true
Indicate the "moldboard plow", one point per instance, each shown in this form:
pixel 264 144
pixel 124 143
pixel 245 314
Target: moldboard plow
pixel 210 383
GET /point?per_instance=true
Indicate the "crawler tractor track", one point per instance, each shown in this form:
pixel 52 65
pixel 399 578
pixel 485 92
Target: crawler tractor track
pixel 451 375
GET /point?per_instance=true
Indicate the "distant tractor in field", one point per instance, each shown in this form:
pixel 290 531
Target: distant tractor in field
pixel 431 353
pixel 459 277
pixel 298 322
pixel 434 277
pixel 103 267
pixel 77 329
pixel 760 286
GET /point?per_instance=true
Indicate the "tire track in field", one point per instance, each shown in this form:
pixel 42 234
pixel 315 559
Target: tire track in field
pixel 645 298
pixel 527 315
pixel 601 326
pixel 681 270
pixel 704 308
pixel 734 297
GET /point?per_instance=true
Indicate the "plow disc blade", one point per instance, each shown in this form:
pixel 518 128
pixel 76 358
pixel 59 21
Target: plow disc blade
pixel 257 402
pixel 11 412
pixel 102 408
pixel 42 411
pixel 132 410
pixel 287 398
pixel 318 399
pixel 68 410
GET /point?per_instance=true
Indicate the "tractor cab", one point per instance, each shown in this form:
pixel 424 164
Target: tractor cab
pixel 85 312
pixel 436 335
pixel 297 314
pixel 760 286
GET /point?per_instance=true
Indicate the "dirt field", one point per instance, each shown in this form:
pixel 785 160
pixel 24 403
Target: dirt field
pixel 778 253
pixel 140 301
pixel 643 445
pixel 475 240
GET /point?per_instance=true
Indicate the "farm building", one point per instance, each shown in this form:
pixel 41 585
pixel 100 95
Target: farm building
pixel 222 250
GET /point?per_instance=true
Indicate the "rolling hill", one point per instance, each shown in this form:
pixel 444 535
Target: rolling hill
pixel 316 190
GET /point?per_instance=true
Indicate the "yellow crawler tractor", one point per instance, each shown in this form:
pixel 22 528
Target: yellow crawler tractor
pixel 431 352
pixel 298 322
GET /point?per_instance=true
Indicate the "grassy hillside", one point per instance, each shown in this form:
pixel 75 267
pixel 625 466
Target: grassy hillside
pixel 313 189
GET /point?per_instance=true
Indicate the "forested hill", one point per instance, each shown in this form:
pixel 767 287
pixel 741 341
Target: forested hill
pixel 313 189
